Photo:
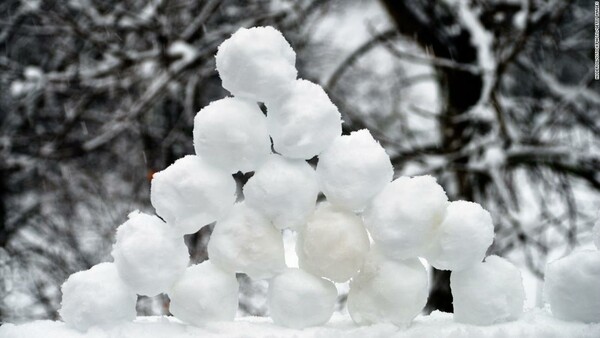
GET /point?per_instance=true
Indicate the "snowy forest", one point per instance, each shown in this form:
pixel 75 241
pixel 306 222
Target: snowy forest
pixel 496 99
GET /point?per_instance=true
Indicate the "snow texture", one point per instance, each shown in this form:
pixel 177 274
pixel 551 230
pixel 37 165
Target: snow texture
pixel 388 291
pixel 97 297
pixel 596 234
pixel 149 254
pixel 353 170
pixel 403 218
pixel 298 299
pixel 190 194
pixel 257 64
pixel 303 123
pixel 231 134
pixel 465 222
pixel 284 190
pixel 203 294
pixel 488 293
pixel 246 241
pixel 573 287
pixel 333 244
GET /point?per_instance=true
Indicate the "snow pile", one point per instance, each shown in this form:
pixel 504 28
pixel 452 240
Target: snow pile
pixel 596 235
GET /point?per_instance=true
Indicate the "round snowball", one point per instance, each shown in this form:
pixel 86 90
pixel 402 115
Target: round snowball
pixel 353 170
pixel 231 134
pixel 487 293
pixel 388 291
pixel 190 194
pixel 333 244
pixel 465 222
pixel 303 123
pixel 97 297
pixel 283 190
pixel 298 299
pixel 403 218
pixel 596 234
pixel 204 293
pixel 149 254
pixel 246 241
pixel 572 287
pixel 256 63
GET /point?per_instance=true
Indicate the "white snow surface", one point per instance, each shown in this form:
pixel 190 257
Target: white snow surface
pixel 284 190
pixel 573 286
pixel 488 293
pixel 97 297
pixel 333 244
pixel 403 218
pixel 304 122
pixel 257 64
pixel 596 234
pixel 190 194
pixel 231 134
pixel 463 237
pixel 246 241
pixel 149 254
pixel 205 293
pixel 298 299
pixel 353 170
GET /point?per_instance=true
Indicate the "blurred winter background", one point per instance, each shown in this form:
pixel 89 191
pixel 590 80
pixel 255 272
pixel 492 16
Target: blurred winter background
pixel 495 98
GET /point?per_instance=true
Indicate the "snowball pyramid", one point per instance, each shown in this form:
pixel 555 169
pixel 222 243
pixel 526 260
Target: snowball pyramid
pixel 97 297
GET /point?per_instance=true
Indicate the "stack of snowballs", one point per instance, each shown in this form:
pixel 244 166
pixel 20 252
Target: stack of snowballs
pixel 371 230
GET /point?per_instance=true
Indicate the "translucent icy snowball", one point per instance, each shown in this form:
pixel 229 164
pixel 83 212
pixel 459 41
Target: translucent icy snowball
pixel 284 190
pixel 149 254
pixel 246 241
pixel 303 123
pixel 353 170
pixel 191 193
pixel 487 293
pixel 203 294
pixel 465 222
pixel 97 297
pixel 403 218
pixel 256 63
pixel 388 291
pixel 333 244
pixel 596 234
pixel 231 133
pixel 298 299
pixel 572 287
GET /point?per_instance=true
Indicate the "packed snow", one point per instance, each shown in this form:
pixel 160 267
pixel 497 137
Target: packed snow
pixel 284 190
pixel 333 243
pixel 149 254
pixel 303 123
pixel 488 293
pixel 298 299
pixel 246 241
pixel 596 234
pixel 231 133
pixel 353 170
pixel 190 194
pixel 97 297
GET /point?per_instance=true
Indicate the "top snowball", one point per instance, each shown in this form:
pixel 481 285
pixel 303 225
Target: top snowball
pixel 257 64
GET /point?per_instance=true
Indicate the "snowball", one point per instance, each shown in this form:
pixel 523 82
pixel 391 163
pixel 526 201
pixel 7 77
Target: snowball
pixel 190 194
pixel 333 244
pixel 572 287
pixel 353 170
pixel 149 254
pixel 283 190
pixel 245 241
pixel 304 123
pixel 487 293
pixel 298 299
pixel 388 291
pixel 402 218
pixel 596 234
pixel 97 297
pixel 203 294
pixel 231 133
pixel 256 63
pixel 465 222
